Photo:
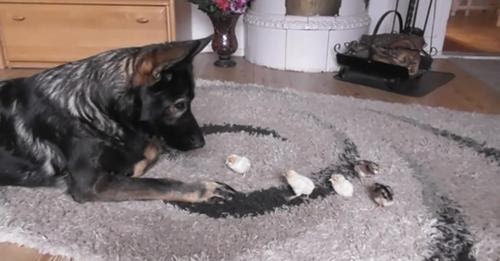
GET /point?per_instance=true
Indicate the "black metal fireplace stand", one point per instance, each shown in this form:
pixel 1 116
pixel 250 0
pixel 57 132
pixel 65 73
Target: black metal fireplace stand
pixel 390 77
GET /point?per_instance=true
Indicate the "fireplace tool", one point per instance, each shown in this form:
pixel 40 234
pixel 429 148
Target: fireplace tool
pixel 392 61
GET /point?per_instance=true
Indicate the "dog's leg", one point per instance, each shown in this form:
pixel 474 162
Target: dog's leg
pixel 151 153
pixel 87 182
pixel 16 171
pixel 120 188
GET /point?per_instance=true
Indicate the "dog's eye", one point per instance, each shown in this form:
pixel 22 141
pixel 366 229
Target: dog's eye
pixel 180 105
pixel 168 76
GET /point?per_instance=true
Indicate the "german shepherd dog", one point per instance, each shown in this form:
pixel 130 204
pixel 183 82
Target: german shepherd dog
pixel 96 125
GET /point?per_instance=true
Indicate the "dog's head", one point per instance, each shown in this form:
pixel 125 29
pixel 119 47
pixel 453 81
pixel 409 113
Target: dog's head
pixel 163 79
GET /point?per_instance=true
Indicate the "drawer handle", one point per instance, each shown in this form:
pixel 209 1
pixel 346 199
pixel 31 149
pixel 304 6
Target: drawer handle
pixel 19 18
pixel 142 20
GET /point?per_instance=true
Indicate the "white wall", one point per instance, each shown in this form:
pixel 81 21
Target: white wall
pixel 201 26
pixel 271 7
pixel 352 7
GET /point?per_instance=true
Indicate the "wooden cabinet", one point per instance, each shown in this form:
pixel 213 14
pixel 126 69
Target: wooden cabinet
pixel 44 33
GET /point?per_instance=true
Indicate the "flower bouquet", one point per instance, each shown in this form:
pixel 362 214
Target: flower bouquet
pixel 222 7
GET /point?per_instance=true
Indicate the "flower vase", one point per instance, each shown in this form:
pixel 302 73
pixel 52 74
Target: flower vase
pixel 224 41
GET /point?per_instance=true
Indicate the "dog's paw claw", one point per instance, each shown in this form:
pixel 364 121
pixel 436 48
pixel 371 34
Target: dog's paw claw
pixel 218 193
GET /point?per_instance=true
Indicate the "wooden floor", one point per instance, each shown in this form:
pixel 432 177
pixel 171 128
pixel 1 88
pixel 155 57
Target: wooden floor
pixel 476 33
pixel 464 93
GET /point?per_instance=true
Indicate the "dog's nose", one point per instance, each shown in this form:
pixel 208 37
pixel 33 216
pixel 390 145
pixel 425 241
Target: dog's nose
pixel 197 142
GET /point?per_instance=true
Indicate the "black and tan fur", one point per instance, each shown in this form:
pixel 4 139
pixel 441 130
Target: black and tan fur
pixel 97 124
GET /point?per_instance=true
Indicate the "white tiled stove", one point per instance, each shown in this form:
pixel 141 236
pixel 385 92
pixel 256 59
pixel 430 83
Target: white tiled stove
pixel 301 43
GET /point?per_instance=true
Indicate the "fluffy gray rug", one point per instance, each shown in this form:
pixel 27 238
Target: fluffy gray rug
pixel 444 167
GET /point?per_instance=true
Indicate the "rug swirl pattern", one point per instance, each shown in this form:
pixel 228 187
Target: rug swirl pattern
pixel 444 167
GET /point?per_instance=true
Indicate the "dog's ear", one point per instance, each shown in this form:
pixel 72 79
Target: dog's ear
pixel 199 46
pixel 154 59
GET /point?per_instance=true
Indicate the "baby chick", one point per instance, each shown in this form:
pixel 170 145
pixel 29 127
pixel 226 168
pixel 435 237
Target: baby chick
pixel 366 168
pixel 341 185
pixel 382 195
pixel 301 185
pixel 238 164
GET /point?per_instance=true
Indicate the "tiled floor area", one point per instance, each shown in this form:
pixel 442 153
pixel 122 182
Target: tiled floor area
pixel 472 90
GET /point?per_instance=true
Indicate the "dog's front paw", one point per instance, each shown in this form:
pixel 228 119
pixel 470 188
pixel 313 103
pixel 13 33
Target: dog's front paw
pixel 216 192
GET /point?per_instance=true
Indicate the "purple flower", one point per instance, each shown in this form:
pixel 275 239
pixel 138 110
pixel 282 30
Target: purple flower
pixel 239 6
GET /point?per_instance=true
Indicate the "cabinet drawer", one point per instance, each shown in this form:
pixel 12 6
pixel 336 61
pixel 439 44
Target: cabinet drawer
pixel 57 33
